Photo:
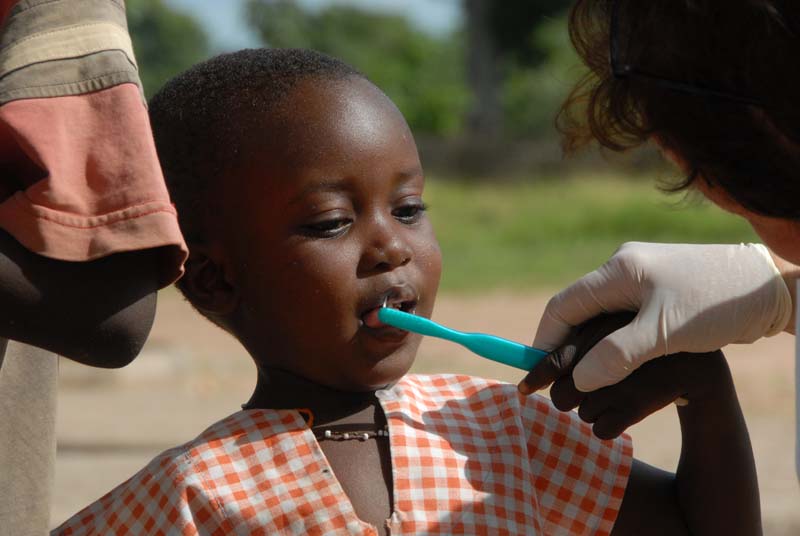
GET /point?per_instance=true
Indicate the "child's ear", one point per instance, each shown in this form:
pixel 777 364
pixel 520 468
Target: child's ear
pixel 207 285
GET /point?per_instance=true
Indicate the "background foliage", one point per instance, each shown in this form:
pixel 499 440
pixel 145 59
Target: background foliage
pixel 166 41
pixel 536 230
pixel 548 232
pixel 423 74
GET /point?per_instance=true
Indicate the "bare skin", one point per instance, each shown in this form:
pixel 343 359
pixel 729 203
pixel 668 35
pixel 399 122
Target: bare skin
pixel 363 468
pixel 98 313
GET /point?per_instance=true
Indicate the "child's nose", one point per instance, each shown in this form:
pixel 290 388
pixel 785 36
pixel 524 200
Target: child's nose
pixel 387 250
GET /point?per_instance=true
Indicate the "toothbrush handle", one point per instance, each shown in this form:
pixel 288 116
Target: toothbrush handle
pixel 495 348
pixel 503 351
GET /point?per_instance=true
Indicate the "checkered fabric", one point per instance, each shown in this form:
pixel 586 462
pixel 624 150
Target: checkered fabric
pixel 469 456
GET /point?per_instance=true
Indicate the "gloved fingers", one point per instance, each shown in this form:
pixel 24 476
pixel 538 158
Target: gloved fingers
pixel 595 293
pixel 617 356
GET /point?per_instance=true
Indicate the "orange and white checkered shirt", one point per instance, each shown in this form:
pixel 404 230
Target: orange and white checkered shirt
pixel 469 456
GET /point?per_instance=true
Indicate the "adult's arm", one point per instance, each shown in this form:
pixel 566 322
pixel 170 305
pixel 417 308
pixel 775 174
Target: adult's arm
pixel 687 298
pixel 88 230
pixel 98 312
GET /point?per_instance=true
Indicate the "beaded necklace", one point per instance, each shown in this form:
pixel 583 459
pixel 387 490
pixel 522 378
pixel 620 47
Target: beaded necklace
pixel 323 433
pixel 335 432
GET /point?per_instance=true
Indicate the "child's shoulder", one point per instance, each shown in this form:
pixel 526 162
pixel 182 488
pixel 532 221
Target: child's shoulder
pixel 232 438
pixel 195 478
pixel 488 401
pixel 228 439
pixel 471 392
pixel 461 383
pixel 458 382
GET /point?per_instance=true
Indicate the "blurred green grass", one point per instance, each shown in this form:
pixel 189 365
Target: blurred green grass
pixel 545 233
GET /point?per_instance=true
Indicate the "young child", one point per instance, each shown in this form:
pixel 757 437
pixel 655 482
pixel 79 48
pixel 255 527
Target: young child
pixel 300 193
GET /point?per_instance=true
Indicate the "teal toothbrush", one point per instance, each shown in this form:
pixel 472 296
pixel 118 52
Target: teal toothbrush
pixel 495 348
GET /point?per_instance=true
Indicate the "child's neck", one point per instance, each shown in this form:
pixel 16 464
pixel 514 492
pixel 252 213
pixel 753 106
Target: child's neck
pixel 278 389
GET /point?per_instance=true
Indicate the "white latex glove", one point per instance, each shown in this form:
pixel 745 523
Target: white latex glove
pixel 689 298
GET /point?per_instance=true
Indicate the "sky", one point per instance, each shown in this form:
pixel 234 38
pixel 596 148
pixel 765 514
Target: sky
pixel 228 29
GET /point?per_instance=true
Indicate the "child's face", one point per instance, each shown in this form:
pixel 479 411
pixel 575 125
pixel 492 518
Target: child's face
pixel 326 224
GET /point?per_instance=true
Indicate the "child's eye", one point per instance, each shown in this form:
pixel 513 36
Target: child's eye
pixel 328 228
pixel 410 213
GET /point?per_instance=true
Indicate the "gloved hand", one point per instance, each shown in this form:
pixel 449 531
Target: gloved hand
pixel 689 298
pixel 652 386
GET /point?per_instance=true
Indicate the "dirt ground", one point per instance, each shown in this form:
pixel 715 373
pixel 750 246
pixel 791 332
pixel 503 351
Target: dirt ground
pixel 191 374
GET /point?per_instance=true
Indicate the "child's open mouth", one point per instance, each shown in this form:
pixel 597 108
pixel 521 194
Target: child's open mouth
pixel 371 320
pixel 401 297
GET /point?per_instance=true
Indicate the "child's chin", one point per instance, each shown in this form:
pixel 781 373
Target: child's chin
pixel 383 374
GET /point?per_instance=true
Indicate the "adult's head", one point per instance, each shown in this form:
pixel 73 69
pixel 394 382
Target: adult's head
pixel 714 82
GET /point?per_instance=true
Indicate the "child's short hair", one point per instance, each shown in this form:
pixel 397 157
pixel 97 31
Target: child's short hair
pixel 203 119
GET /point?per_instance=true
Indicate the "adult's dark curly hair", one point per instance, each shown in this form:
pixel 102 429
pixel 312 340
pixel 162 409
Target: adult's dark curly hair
pixel 738 131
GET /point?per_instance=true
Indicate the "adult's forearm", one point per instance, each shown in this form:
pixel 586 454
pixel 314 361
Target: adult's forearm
pixel 98 312
pixel 716 478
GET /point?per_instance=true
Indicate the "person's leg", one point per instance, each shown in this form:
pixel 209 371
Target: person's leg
pixel 28 381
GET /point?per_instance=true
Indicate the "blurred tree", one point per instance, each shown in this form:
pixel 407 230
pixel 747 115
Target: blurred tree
pixel 502 38
pixel 532 94
pixel 514 26
pixel 423 74
pixel 165 40
pixel 484 72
